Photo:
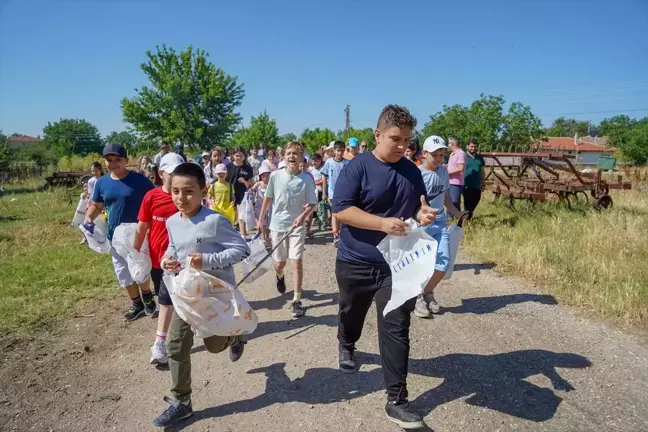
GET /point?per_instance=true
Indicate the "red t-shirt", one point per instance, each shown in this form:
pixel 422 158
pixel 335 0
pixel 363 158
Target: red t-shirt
pixel 156 208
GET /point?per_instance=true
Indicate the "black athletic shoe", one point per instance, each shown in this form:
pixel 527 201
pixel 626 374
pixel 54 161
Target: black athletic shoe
pixel 149 304
pixel 297 309
pixel 281 284
pixel 346 360
pixel 236 349
pixel 136 310
pixel 401 413
pixel 172 415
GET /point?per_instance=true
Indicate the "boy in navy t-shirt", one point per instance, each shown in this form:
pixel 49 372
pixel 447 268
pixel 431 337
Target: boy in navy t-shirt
pixel 375 193
pixel 121 193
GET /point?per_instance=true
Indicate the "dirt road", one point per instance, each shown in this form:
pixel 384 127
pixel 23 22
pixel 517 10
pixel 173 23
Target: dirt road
pixel 502 357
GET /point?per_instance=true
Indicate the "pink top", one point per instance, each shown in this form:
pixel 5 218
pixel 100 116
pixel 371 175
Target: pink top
pixel 456 159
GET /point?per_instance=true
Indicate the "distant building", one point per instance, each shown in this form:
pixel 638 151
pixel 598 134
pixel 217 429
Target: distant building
pixel 586 150
pixel 17 141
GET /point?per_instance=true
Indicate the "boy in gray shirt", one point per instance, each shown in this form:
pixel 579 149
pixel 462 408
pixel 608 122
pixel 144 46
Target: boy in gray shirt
pixel 205 240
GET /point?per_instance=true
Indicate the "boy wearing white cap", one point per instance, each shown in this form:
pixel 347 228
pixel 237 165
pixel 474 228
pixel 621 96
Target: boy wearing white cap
pixel 156 208
pixel 437 185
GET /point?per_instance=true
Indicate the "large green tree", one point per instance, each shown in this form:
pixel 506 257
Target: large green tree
pixel 286 138
pixel 189 99
pixel 313 139
pixel 126 138
pixel 629 135
pixel 68 137
pixel 567 127
pixel 366 134
pixel 262 128
pixel 486 120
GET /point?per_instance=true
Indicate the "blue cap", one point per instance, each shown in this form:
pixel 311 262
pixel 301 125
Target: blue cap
pixel 353 142
pixel 114 150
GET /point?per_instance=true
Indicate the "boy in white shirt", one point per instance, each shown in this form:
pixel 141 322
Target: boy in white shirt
pixel 291 194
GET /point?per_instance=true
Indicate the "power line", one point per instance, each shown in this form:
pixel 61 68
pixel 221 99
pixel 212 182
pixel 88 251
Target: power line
pixel 593 112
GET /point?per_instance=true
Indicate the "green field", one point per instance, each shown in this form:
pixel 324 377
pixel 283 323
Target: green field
pixel 595 260
pixel 45 272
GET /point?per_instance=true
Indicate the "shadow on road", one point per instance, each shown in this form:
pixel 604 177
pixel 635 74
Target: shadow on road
pixel 496 382
pixel 485 305
pixel 476 267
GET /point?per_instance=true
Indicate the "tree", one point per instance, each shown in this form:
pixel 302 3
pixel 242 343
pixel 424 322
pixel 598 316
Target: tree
pixel 313 139
pixel 68 137
pixel 189 100
pixel 4 151
pixel 126 138
pixel 564 127
pixel 261 129
pixel 629 135
pixel 286 138
pixel 366 134
pixel 486 121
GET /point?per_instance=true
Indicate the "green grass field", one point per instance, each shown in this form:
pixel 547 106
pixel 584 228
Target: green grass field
pixel 595 260
pixel 45 272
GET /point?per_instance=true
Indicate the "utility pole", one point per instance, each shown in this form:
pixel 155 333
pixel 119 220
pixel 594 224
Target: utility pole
pixel 347 116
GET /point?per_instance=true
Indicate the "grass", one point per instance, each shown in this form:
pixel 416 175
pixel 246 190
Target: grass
pixel 46 274
pixel 590 259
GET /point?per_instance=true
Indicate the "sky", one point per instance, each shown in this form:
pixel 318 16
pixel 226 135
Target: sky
pixel 304 61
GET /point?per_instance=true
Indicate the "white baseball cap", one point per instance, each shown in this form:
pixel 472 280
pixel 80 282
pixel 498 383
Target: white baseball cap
pixel 433 143
pixel 205 154
pixel 264 169
pixel 169 162
pixel 220 169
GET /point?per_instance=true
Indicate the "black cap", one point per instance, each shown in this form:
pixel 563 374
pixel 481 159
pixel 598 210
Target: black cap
pixel 115 150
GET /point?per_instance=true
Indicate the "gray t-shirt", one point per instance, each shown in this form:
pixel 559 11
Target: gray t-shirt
pixel 290 193
pixel 437 184
pixel 211 234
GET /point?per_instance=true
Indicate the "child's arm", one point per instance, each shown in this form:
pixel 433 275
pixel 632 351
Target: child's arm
pixel 140 234
pixel 324 187
pixel 236 248
pixel 265 207
pixel 169 261
pixel 451 208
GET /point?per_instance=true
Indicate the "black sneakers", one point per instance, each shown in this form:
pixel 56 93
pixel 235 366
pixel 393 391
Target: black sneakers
pixel 346 360
pixel 298 309
pixel 236 349
pixel 176 412
pixel 136 310
pixel 149 304
pixel 401 413
pixel 281 284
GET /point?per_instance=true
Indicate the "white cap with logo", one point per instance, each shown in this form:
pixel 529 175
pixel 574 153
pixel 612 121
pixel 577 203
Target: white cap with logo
pixel 169 162
pixel 433 143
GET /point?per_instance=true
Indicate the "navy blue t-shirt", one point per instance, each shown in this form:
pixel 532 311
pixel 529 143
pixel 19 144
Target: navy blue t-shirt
pixel 382 189
pixel 122 198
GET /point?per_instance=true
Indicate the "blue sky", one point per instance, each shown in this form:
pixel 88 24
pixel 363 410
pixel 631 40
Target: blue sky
pixel 303 61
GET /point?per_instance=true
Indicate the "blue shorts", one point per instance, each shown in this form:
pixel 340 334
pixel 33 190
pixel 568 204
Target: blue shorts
pixel 439 232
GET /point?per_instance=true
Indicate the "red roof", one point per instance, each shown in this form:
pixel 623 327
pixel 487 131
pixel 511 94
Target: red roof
pixel 16 138
pixel 567 144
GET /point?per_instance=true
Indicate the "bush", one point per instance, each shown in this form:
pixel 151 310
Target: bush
pixel 78 163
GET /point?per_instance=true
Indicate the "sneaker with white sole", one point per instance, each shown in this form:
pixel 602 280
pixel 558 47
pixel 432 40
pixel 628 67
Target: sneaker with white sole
pixel 433 306
pixel 159 354
pixel 421 309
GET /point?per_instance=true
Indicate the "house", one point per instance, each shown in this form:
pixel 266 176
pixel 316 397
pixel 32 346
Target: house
pixel 587 150
pixel 17 141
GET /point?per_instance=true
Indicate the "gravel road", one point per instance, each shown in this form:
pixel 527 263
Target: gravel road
pixel 503 356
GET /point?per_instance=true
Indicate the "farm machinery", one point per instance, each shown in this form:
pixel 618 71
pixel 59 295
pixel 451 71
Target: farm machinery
pixel 541 176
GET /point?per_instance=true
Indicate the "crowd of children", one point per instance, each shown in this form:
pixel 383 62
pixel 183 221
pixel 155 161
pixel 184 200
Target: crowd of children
pixel 192 215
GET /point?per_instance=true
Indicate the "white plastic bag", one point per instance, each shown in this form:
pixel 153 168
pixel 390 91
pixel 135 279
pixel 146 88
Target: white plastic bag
pixel 209 305
pixel 139 263
pixel 247 212
pixel 80 212
pixel 455 232
pixel 411 258
pixel 97 240
pixel 258 253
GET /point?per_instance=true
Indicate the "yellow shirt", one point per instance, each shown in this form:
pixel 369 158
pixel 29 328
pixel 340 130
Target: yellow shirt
pixel 222 195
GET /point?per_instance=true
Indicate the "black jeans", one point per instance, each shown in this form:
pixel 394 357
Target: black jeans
pixel 472 197
pixel 359 284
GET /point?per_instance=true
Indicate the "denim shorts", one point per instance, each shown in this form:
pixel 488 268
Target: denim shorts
pixel 439 232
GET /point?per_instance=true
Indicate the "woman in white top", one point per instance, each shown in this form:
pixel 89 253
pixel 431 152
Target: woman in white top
pixel 217 156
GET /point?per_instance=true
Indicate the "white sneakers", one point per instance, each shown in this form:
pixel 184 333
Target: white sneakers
pixel 159 353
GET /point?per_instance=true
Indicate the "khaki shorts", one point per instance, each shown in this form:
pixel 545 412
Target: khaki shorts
pixel 291 248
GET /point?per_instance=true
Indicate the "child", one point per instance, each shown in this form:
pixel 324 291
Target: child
pixel 240 175
pixel 437 185
pixel 212 245
pixel 156 208
pixel 258 193
pixel 97 171
pixel 152 174
pixel 291 193
pixel 315 170
pixel 221 194
pixel 331 172
pixel 121 194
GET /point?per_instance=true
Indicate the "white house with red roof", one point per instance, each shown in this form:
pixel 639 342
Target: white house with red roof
pixel 587 150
